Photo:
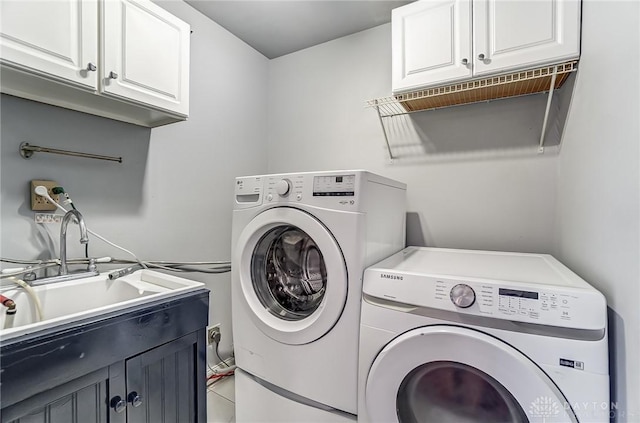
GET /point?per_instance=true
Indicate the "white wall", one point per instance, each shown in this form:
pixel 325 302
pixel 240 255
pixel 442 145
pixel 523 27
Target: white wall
pixel 171 198
pixel 599 182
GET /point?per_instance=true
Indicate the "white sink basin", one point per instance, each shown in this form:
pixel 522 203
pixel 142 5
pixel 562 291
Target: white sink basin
pixel 65 302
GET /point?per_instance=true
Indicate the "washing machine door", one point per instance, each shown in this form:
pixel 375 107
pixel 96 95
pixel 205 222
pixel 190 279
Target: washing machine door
pixel 451 374
pixel 292 274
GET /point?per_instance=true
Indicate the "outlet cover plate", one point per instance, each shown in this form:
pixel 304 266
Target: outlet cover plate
pixel 212 331
pixel 39 203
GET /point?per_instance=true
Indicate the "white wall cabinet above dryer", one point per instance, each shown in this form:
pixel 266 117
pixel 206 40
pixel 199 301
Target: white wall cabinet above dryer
pixel 122 59
pixel 438 42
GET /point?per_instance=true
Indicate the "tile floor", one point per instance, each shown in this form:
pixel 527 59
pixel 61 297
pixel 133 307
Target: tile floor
pixel 221 401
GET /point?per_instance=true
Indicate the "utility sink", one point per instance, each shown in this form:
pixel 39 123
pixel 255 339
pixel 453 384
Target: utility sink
pixel 65 302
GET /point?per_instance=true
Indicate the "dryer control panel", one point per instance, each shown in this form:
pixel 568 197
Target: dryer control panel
pixel 531 288
pixel 547 306
pixel 539 306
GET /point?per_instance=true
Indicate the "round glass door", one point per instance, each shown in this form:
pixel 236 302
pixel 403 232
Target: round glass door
pixel 450 392
pixel 448 374
pixel 288 273
pixel 292 274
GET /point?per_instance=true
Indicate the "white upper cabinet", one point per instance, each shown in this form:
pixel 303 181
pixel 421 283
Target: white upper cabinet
pixel 511 35
pixel 145 52
pixel 56 38
pixel 430 40
pixel 438 42
pixel 122 59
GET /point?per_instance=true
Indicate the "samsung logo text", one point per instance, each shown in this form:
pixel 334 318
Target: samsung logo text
pixel 393 277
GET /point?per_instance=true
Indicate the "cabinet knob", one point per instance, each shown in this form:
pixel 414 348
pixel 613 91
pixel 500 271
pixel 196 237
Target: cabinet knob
pixel 134 399
pixel 481 56
pixel 91 67
pixel 113 75
pixel 118 404
pixel 464 62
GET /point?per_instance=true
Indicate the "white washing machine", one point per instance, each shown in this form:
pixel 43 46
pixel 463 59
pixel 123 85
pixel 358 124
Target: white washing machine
pixel 300 245
pixel 477 336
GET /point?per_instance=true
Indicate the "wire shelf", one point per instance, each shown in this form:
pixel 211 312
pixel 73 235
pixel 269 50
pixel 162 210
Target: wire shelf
pixel 510 85
pixel 532 81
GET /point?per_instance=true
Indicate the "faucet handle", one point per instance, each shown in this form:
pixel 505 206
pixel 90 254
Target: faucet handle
pixel 92 265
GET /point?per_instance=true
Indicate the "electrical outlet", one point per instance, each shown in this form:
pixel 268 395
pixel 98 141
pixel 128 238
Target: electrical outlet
pixel 213 334
pixel 39 203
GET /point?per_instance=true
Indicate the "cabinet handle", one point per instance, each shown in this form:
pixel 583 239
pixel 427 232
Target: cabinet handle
pixel 118 404
pixel 91 67
pixel 464 62
pixel 113 75
pixel 134 399
pixel 481 56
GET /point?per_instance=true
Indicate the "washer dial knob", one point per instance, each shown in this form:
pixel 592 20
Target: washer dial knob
pixel 462 295
pixel 283 187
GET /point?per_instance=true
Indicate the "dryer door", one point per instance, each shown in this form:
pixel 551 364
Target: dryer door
pixel 452 374
pixel 293 275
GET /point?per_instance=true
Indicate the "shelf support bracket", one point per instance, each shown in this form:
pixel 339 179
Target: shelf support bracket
pixel 546 112
pixel 384 131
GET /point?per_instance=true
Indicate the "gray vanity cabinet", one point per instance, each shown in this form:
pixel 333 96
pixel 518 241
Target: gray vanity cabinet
pixel 151 367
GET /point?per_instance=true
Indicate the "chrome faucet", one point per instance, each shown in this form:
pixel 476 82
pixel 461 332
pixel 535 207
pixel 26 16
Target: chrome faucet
pixel 84 238
pixel 63 274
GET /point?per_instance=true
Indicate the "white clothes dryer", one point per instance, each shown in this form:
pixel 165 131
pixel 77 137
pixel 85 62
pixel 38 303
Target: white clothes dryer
pixel 300 244
pixel 477 336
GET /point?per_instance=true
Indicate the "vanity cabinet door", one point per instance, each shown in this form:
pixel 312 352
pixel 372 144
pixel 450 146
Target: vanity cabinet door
pixel 56 39
pixel 162 384
pixel 145 55
pixel 83 400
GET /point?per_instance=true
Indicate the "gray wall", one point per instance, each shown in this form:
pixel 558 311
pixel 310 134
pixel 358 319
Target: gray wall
pixel 171 199
pixel 599 182
pixel 473 181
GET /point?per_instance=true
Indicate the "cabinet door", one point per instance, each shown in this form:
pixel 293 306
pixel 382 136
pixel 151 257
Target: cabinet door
pixel 146 55
pixel 58 39
pixel 83 400
pixel 521 34
pixel 431 42
pixel 162 383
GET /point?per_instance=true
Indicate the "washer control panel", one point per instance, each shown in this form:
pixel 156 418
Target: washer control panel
pixel 285 188
pixel 334 186
pixel 248 191
pixel 339 190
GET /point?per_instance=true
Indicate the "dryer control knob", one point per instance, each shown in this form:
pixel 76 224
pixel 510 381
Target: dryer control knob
pixel 282 187
pixel 462 295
